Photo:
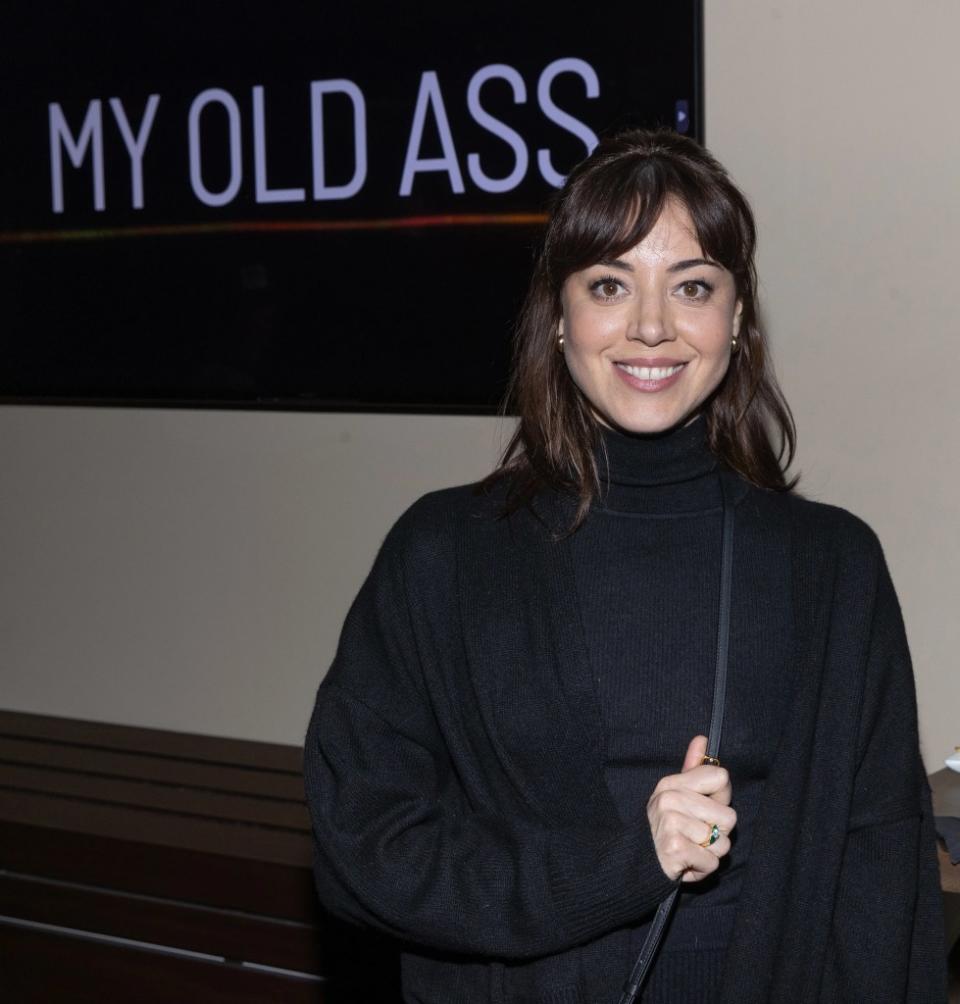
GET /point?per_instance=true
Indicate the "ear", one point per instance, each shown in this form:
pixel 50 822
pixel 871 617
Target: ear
pixel 560 327
pixel 737 314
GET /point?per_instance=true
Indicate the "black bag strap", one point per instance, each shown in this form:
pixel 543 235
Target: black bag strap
pixel 723 626
pixel 641 968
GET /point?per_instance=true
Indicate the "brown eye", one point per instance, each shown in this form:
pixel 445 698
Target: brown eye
pixel 607 287
pixel 691 290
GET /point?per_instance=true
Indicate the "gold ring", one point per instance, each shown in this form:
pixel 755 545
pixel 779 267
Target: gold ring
pixel 714 835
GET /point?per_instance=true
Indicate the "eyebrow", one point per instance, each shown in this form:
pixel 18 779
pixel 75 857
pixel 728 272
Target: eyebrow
pixel 678 266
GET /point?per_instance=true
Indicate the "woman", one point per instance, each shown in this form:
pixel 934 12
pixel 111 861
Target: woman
pixel 505 763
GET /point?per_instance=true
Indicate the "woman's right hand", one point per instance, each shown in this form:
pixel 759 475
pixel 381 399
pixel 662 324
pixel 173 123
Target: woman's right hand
pixel 682 810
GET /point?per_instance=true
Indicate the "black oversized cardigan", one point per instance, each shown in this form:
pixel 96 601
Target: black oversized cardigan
pixel 454 772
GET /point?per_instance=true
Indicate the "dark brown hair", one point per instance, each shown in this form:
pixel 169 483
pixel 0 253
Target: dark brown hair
pixel 608 204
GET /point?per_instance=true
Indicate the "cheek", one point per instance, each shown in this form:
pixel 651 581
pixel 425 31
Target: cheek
pixel 587 329
pixel 585 337
pixel 586 342
pixel 710 333
pixel 713 346
pixel 579 362
pixel 715 360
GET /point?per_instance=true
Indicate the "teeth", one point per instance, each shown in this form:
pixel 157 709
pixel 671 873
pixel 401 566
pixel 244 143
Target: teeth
pixel 650 372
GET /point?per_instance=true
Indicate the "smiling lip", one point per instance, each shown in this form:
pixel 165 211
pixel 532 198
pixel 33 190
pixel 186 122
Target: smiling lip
pixel 657 361
pixel 637 383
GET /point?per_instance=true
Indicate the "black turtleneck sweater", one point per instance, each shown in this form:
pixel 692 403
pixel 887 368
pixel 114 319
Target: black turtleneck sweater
pixel 647 575
pixel 470 754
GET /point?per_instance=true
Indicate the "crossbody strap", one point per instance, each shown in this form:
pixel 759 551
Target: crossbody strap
pixel 723 626
pixel 641 968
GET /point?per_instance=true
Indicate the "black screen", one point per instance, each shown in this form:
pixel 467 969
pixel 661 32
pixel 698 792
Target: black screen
pixel 279 204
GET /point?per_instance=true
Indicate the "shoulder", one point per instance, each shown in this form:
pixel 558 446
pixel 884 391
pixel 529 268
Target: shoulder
pixel 457 502
pixel 827 543
pixel 442 510
pixel 430 528
pixel 820 536
pixel 832 525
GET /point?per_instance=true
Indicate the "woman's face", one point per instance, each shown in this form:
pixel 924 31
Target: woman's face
pixel 646 337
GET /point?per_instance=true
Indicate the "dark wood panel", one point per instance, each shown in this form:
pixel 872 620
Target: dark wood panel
pixel 274 889
pixel 149 767
pixel 286 813
pixel 191 746
pixel 172 840
pixel 945 785
pixel 949 872
pixel 231 934
pixel 236 840
pixel 90 971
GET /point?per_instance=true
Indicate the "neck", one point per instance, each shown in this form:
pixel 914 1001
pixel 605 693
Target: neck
pixel 661 472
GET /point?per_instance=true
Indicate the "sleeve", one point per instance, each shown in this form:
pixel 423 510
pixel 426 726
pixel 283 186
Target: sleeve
pixel 398 844
pixel 887 940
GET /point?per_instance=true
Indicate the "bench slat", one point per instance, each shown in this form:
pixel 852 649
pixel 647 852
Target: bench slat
pixel 88 970
pixel 149 740
pixel 289 814
pixel 231 934
pixel 149 767
pixel 237 840
pixel 174 873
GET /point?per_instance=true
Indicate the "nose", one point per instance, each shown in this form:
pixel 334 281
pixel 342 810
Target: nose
pixel 648 322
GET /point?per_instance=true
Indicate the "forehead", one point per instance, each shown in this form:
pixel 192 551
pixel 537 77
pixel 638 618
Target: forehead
pixel 672 237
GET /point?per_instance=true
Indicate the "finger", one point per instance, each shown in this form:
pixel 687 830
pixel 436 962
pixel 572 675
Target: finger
pixel 699 832
pixel 708 810
pixel 705 779
pixel 722 795
pixel 699 864
pixel 682 856
pixel 675 833
pixel 695 753
pixel 720 848
pixel 679 809
pixel 677 851
pixel 710 837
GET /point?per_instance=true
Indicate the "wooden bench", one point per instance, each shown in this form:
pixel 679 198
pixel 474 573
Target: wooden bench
pixel 945 785
pixel 153 866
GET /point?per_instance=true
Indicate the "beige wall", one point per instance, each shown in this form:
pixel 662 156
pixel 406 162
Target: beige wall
pixel 190 570
pixel 834 116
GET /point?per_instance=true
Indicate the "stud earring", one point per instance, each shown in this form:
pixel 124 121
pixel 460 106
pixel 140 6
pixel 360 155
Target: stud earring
pixel 560 343
pixel 734 345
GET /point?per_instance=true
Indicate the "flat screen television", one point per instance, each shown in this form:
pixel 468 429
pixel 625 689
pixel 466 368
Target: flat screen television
pixel 297 204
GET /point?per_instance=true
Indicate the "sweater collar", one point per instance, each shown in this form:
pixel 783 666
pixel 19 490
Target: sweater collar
pixel 679 454
pixel 668 471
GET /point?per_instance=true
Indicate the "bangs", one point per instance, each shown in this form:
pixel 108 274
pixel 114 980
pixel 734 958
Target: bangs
pixel 606 213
